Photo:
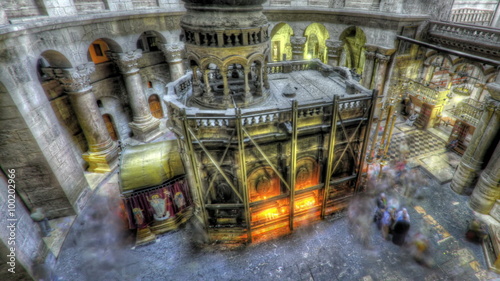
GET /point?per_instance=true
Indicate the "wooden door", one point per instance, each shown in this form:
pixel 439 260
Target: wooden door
pixel 155 106
pixel 110 126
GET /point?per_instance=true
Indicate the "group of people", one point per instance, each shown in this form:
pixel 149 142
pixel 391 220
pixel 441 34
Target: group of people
pixel 392 221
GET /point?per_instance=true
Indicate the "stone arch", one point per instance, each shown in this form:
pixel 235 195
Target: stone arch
pixel 235 60
pixel 354 39
pixel 208 60
pixel 281 47
pixel 150 40
pixel 316 34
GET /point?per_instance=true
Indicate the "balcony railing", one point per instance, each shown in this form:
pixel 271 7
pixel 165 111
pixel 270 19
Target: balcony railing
pixel 470 37
pixel 468 111
pixel 424 93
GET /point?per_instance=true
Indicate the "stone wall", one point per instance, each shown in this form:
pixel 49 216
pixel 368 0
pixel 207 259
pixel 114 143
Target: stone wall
pixel 25 238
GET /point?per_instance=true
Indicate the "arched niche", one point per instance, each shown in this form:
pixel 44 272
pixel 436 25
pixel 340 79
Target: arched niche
pixel 263 183
pixel 150 41
pixel 315 47
pixel 281 48
pixel 353 54
pixel 307 173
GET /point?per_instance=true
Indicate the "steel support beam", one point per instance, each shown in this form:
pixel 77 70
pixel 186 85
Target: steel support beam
pixel 331 153
pixel 293 160
pixel 194 164
pixel 243 172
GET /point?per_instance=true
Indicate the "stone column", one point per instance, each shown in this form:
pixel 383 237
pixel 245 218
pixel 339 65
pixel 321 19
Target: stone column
pixel 174 53
pixel 369 66
pixel 298 44
pixel 487 190
pixel 144 126
pixel 334 51
pixel 382 58
pixel 471 163
pixel 248 95
pixel 103 151
pixel 196 82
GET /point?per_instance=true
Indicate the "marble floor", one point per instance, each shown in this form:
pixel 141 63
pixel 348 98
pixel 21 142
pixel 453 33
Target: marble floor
pixel 99 247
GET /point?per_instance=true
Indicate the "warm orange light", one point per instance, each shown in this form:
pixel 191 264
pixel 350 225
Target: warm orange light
pixel 305 203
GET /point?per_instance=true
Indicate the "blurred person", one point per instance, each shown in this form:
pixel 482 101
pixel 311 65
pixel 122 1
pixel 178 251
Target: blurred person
pixel 400 227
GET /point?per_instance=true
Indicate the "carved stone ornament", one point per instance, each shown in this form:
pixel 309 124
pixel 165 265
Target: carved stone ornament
pixel 382 58
pixel 173 52
pixel 127 62
pixel 333 44
pixel 297 40
pixel 77 79
pixel 369 55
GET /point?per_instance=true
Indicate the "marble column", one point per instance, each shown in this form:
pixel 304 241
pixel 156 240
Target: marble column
pixel 144 126
pixel 298 45
pixel 369 66
pixel 197 91
pixel 472 161
pixel 103 151
pixel 174 53
pixel 487 190
pixel 334 48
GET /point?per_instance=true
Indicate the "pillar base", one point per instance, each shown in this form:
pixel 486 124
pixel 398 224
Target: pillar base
pixel 484 196
pixel 495 211
pixel 464 179
pixel 102 161
pixel 146 131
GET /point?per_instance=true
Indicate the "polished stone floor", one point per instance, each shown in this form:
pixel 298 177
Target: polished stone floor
pixel 98 247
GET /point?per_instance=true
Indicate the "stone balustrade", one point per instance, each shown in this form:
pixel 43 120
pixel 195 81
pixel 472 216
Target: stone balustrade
pixel 227 38
pixel 472 16
pixel 473 38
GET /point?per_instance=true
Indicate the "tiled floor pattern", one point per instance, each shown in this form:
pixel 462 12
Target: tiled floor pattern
pixel 420 143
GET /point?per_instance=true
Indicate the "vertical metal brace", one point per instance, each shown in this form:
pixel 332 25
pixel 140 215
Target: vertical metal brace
pixel 243 172
pixel 331 148
pixel 194 164
pixel 373 105
pixel 293 161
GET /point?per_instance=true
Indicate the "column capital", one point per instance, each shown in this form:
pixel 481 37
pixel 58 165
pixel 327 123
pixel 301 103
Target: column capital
pixel 173 51
pixel 382 58
pixel 127 62
pixel 75 80
pixel 334 44
pixel 494 89
pixel 369 55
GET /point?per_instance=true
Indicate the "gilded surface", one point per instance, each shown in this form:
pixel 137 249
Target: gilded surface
pixel 150 164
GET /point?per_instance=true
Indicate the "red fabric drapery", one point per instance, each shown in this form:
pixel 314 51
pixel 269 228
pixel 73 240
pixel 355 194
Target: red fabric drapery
pixel 140 205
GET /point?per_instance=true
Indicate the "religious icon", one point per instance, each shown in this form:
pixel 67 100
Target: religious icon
pixel 159 207
pixel 179 200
